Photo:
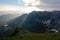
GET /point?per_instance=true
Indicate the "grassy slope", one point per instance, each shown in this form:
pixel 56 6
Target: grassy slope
pixel 41 36
pixel 36 36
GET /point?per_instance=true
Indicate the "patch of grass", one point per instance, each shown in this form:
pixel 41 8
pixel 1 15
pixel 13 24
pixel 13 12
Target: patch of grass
pixel 42 36
pixel 35 36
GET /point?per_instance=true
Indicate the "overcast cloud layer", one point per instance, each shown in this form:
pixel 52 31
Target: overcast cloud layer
pixel 29 5
pixel 44 4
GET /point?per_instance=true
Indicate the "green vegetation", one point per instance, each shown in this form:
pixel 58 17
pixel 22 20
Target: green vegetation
pixel 42 36
pixel 22 34
pixel 35 36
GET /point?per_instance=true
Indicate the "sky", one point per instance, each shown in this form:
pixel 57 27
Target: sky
pixel 29 5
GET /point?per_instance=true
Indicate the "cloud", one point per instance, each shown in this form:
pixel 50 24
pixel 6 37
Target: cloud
pixel 44 4
pixel 50 5
pixel 33 5
pixel 32 2
pixel 6 8
pixel 29 5
pixel 25 9
pixel 11 9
